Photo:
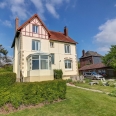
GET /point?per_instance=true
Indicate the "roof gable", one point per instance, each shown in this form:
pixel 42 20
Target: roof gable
pixel 31 19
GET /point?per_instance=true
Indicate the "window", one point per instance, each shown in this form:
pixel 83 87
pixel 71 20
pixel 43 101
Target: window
pixel 52 58
pixel 40 62
pixel 67 49
pixel 51 44
pixel 68 64
pixel 44 62
pixel 35 62
pixel 35 45
pixel 35 29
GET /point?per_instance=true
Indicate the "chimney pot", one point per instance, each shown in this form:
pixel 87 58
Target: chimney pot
pixel 65 31
pixel 16 23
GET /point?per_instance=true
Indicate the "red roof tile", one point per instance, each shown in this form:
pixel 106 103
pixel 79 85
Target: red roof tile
pixel 93 66
pixel 58 36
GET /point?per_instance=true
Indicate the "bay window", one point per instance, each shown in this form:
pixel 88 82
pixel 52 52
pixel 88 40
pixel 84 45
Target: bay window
pixel 39 62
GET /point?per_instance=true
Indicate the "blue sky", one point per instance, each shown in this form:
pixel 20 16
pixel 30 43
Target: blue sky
pixel 92 23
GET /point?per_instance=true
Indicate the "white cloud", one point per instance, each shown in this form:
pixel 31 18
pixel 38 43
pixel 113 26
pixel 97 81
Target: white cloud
pixel 40 7
pixel 2 4
pixel 52 10
pixel 107 35
pixel 7 23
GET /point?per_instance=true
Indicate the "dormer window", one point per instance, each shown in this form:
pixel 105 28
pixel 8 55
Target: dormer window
pixel 35 28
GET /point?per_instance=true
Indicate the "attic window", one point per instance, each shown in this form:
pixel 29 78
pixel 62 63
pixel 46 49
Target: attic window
pixel 35 28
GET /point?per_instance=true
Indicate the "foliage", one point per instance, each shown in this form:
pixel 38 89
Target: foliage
pixel 33 93
pixel 87 80
pixel 113 93
pixel 58 74
pixel 6 69
pixel 7 79
pixel 110 58
pixel 78 103
pixel 68 80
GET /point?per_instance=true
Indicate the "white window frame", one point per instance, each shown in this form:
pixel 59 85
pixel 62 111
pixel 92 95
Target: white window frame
pixel 35 28
pixel 35 44
pixel 48 60
pixel 66 61
pixel 66 51
pixel 52 44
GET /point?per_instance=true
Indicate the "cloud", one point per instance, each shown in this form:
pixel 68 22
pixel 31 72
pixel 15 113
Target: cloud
pixel 6 23
pixel 52 10
pixel 23 8
pixel 40 7
pixel 107 35
pixel 2 5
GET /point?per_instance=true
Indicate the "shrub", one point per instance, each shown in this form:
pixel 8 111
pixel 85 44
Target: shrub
pixel 6 69
pixel 113 93
pixel 7 79
pixel 33 93
pixel 87 80
pixel 58 74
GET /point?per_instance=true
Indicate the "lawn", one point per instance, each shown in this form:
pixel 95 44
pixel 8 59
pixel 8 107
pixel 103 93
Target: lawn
pixel 96 87
pixel 78 103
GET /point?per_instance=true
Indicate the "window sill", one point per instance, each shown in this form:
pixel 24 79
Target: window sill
pixel 68 69
pixel 67 53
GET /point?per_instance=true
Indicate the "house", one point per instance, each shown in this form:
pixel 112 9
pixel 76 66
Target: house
pixel 92 62
pixel 38 51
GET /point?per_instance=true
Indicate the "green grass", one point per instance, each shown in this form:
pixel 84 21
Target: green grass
pixel 96 87
pixel 78 103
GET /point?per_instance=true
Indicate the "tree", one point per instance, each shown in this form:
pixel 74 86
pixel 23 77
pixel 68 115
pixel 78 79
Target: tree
pixel 110 58
pixel 3 56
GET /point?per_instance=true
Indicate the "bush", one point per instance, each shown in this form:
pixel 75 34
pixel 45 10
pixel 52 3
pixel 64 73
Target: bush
pixel 87 80
pixel 7 79
pixel 6 69
pixel 113 93
pixel 33 93
pixel 58 74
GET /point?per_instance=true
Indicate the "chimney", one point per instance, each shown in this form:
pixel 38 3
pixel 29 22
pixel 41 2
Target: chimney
pixel 83 52
pixel 16 23
pixel 65 31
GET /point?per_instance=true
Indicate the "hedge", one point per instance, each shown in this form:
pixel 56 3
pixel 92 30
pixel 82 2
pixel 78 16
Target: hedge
pixel 7 79
pixel 33 93
pixel 58 73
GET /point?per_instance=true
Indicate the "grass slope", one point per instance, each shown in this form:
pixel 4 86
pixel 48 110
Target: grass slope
pixel 78 103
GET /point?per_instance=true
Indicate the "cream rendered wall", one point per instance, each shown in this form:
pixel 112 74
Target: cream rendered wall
pixel 60 57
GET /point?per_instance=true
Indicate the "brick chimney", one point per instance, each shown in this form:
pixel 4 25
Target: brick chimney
pixel 83 52
pixel 16 23
pixel 65 31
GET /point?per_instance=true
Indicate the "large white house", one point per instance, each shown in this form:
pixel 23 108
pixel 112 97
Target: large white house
pixel 38 51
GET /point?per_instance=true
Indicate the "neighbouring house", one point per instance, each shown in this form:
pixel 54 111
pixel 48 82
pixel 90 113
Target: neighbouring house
pixel 38 51
pixel 92 62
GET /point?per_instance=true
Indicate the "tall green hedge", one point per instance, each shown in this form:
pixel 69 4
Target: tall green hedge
pixel 58 73
pixel 7 79
pixel 34 93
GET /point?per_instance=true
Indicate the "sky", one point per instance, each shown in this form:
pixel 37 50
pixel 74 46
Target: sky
pixel 91 23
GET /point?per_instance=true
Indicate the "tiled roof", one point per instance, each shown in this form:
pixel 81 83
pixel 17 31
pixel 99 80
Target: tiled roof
pixel 93 66
pixel 90 53
pixel 58 36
